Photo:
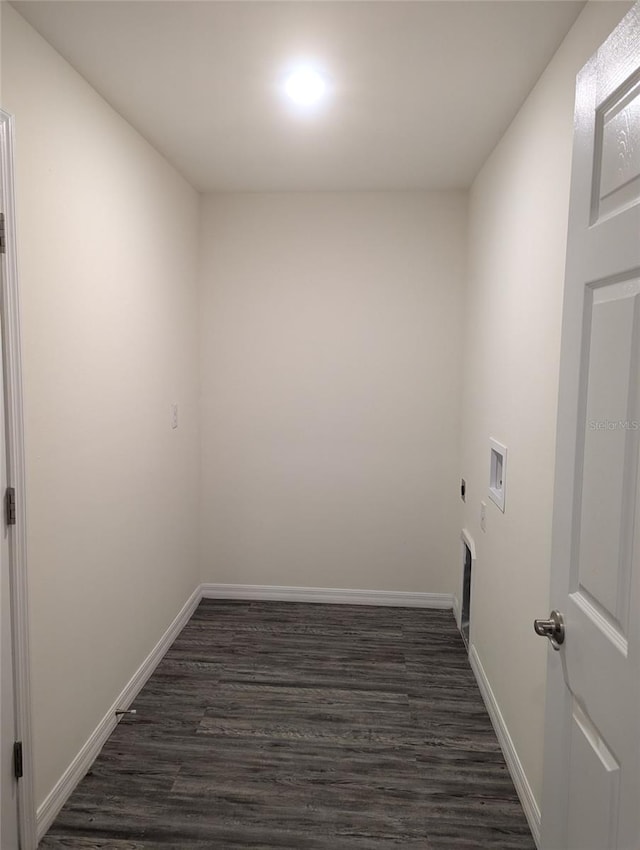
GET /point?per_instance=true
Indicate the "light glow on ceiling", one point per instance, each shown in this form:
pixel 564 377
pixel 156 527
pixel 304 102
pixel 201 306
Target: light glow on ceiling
pixel 305 86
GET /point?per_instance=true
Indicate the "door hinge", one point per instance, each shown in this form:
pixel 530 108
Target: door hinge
pixel 3 235
pixel 18 770
pixel 10 505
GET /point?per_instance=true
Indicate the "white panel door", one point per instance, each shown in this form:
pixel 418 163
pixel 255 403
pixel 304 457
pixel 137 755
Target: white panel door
pixel 591 791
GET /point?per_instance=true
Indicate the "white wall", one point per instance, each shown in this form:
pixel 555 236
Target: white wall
pixel 108 254
pixel 517 241
pixel 330 355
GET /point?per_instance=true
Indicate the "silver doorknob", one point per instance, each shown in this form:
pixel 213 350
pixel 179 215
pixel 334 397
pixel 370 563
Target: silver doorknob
pixel 553 628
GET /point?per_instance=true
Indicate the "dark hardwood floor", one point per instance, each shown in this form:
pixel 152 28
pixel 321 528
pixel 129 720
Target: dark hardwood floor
pixel 285 725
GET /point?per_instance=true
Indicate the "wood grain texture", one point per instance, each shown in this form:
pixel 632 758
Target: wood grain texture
pixel 313 727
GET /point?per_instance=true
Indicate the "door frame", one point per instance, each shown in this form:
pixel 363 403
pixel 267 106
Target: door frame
pixel 16 478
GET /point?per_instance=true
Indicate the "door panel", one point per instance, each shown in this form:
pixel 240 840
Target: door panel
pixel 594 798
pixel 618 143
pixel 610 453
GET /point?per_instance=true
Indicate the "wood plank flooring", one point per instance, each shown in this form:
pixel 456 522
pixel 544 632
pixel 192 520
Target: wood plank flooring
pixel 312 727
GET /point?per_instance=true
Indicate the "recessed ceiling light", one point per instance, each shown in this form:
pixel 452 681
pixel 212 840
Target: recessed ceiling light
pixel 305 86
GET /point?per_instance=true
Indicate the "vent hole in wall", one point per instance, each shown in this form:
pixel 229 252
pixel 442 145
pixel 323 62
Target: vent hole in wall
pixel 466 595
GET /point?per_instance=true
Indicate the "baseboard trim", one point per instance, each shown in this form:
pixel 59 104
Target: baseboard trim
pixel 514 764
pixel 61 791
pixel 327 595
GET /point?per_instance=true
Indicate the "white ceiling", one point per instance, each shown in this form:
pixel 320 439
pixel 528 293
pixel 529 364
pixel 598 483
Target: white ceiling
pixel 422 91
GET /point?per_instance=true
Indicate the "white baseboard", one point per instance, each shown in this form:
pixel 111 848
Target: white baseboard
pixel 338 596
pixel 514 764
pixel 63 788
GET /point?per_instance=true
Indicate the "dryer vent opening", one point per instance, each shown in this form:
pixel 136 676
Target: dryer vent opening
pixel 466 595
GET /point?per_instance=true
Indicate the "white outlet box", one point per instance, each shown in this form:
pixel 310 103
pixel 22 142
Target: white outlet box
pixel 497 473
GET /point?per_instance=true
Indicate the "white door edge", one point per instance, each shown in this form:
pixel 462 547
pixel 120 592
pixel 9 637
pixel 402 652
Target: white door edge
pixel 17 479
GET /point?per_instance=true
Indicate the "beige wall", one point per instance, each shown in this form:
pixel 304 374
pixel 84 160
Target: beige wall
pixel 330 355
pixel 107 252
pixel 517 240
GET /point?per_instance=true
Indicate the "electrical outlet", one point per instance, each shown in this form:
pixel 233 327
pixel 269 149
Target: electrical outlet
pixel 483 516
